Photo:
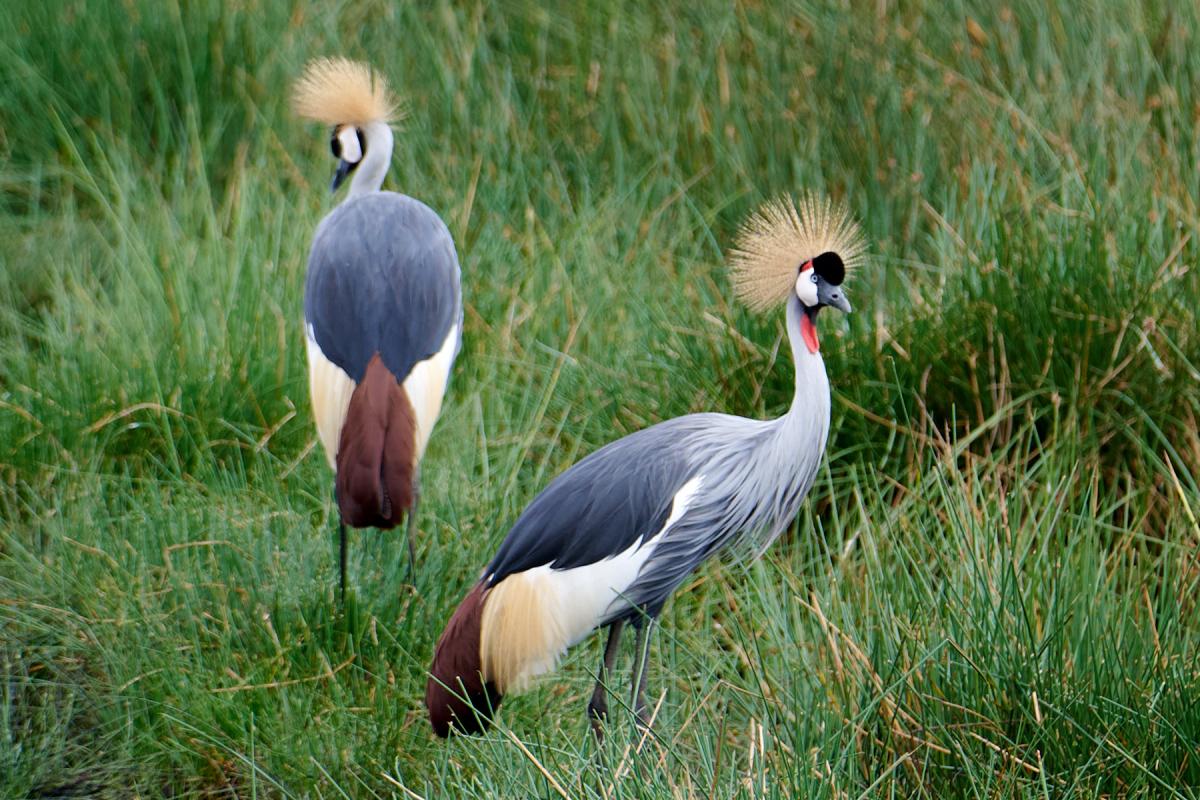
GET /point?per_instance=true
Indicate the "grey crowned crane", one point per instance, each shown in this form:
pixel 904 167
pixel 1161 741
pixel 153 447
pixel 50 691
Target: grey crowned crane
pixel 609 540
pixel 382 309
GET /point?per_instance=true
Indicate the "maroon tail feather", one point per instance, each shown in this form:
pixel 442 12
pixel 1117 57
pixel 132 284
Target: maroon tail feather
pixel 375 452
pixel 456 695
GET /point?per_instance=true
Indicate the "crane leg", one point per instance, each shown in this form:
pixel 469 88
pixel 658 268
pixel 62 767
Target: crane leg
pixel 409 526
pixel 641 660
pixel 342 560
pixel 598 705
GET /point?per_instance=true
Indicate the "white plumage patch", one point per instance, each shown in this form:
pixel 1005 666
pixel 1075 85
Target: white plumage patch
pixel 806 287
pixel 426 387
pixel 532 617
pixel 347 137
pixel 330 388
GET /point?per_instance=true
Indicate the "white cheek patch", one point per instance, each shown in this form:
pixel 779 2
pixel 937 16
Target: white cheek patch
pixel 806 289
pixel 348 137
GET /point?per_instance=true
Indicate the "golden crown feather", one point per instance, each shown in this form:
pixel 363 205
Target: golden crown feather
pixel 338 91
pixel 775 240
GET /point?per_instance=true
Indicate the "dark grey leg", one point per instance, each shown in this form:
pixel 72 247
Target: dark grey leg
pixel 409 526
pixel 342 559
pixel 641 661
pixel 598 705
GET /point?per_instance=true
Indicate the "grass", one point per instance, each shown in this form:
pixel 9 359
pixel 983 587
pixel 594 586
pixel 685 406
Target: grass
pixel 993 590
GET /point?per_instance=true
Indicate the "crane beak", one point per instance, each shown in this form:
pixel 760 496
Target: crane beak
pixel 343 170
pixel 830 295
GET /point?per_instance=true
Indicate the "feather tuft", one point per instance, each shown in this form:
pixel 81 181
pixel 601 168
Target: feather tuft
pixel 338 91
pixel 777 239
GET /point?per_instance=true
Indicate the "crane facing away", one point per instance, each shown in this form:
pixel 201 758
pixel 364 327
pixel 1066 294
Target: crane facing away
pixel 382 309
pixel 609 540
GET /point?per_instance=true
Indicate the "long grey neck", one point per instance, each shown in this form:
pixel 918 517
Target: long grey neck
pixel 810 402
pixel 368 177
pixel 776 473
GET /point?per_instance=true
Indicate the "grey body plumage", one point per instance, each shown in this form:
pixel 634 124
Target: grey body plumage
pixel 383 276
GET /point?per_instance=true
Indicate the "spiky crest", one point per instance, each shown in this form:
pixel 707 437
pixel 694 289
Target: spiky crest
pixel 338 91
pixel 774 241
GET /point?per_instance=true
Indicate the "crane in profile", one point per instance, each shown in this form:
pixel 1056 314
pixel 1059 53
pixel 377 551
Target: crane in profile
pixel 382 309
pixel 609 540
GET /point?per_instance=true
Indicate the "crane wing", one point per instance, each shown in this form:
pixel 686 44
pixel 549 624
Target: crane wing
pixel 617 496
pixel 383 277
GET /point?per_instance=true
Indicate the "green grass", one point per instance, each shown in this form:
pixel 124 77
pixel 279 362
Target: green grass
pixel 993 590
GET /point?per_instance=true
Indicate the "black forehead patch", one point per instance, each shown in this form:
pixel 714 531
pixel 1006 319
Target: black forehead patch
pixel 830 267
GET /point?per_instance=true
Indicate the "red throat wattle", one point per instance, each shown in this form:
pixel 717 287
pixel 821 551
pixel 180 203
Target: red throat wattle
pixel 809 332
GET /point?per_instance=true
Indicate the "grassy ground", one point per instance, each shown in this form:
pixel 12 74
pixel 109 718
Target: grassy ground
pixel 993 591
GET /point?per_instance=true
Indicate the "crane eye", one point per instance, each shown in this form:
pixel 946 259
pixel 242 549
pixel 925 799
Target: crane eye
pixel 335 145
pixel 814 277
